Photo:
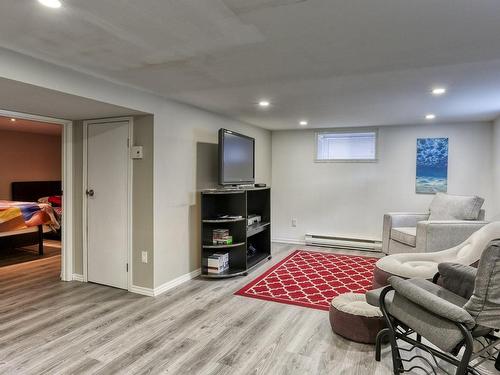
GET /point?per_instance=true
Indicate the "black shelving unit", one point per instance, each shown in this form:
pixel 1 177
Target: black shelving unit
pixel 237 202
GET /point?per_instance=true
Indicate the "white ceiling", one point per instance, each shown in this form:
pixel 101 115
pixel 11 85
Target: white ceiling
pixel 333 62
pixel 28 126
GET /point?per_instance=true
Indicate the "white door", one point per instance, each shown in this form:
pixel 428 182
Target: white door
pixel 107 202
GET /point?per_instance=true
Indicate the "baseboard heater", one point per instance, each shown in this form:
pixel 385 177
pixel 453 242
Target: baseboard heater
pixel 343 242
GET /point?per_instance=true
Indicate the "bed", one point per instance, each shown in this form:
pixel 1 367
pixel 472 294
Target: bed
pixel 40 191
pixel 24 220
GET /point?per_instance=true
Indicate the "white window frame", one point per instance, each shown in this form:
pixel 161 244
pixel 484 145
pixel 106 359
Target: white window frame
pixel 341 131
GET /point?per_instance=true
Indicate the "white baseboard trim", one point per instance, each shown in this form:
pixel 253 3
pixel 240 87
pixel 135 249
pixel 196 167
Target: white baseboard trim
pixel 141 290
pixel 167 286
pixel 175 282
pixel 77 277
pixel 289 241
pixel 303 243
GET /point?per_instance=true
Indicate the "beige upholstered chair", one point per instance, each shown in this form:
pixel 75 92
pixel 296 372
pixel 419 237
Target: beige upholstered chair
pixel 450 220
pixel 424 265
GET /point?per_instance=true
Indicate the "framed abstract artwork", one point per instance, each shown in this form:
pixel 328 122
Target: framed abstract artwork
pixel 432 165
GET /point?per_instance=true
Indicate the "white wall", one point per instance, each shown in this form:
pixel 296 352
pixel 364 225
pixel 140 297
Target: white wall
pixel 351 198
pixel 177 130
pixel 177 219
pixel 28 157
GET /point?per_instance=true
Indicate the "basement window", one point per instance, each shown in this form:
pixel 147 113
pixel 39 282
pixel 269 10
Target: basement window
pixel 346 146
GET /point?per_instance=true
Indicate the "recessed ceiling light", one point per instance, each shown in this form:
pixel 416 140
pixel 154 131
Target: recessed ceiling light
pixel 438 91
pixel 264 103
pixel 303 123
pixel 430 116
pixel 50 3
pixel 13 120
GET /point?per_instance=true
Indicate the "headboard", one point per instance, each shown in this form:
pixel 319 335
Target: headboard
pixel 30 191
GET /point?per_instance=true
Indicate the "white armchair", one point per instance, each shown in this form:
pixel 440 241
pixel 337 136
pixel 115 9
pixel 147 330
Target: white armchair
pixel 451 219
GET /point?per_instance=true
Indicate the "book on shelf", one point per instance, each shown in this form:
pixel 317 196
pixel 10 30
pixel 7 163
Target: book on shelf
pixel 221 237
pixel 216 263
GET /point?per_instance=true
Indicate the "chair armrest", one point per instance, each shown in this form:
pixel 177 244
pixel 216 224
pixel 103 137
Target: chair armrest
pixel 431 302
pixel 405 219
pixel 436 235
pixel 399 219
pixel 457 278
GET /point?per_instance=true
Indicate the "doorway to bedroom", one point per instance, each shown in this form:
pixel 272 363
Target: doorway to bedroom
pixel 31 200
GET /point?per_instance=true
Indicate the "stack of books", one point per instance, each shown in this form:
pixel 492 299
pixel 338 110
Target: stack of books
pixel 221 237
pixel 217 263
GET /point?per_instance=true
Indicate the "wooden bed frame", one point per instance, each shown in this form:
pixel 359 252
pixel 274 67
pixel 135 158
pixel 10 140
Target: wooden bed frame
pixel 29 191
pixel 23 237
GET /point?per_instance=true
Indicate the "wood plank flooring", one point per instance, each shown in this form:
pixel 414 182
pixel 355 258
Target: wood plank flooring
pixel 53 327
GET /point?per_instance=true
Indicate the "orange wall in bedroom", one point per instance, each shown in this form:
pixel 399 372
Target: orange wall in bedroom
pixel 28 157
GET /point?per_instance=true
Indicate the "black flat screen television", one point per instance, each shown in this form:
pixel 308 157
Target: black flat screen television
pixel 236 158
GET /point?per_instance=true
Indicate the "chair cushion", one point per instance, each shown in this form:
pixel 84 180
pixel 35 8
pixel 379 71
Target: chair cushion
pixel 430 310
pixel 458 278
pixel 440 332
pixel 406 235
pixel 373 296
pixel 484 305
pixel 409 265
pixel 355 304
pixel 455 207
pixel 434 298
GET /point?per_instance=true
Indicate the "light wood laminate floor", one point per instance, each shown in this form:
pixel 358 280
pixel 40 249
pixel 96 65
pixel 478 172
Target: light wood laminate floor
pixel 51 327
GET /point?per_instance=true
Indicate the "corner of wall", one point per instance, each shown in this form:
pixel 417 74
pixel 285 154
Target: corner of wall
pixel 143 204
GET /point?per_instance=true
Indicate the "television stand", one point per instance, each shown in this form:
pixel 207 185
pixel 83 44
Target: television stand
pixel 229 209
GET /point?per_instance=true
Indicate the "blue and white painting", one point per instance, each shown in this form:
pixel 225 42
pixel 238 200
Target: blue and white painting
pixel 432 165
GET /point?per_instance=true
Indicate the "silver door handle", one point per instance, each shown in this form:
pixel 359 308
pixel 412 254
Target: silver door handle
pixel 90 193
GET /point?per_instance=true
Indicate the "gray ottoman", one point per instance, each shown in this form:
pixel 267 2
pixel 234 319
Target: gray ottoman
pixel 353 318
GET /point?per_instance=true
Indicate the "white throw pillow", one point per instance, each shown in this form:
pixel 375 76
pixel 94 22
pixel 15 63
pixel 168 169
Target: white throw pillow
pixel 455 207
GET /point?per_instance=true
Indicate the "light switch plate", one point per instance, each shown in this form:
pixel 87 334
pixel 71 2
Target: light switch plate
pixel 144 256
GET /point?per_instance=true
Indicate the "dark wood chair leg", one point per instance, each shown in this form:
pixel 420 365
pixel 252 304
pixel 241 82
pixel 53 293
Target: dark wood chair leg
pixel 497 362
pixel 40 240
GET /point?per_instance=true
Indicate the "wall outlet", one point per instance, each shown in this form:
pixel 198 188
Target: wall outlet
pixel 144 256
pixel 294 222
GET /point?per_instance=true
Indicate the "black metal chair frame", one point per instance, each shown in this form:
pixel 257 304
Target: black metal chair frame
pixel 397 330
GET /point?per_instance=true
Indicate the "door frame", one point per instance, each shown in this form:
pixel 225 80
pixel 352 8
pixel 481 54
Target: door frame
pixel 103 122
pixel 67 236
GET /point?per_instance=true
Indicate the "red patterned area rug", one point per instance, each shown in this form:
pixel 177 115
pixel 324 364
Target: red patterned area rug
pixel 312 279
